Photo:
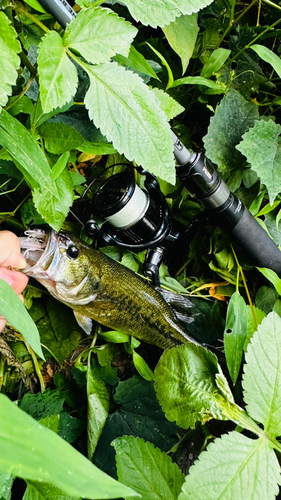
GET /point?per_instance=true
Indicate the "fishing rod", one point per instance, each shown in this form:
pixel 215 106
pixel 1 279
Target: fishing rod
pixel 139 219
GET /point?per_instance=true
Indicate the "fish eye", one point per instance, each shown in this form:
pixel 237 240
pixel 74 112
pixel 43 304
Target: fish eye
pixel 72 252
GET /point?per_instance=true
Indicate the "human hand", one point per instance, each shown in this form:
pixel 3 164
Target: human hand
pixel 10 256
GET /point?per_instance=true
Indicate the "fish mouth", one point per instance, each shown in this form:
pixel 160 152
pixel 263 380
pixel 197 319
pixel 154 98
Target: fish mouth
pixel 38 247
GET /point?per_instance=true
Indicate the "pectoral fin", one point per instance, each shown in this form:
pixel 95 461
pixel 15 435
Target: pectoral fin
pixel 85 322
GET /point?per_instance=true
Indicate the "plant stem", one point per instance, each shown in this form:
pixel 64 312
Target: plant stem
pixel 244 12
pixel 240 270
pixel 17 8
pixel 230 24
pixel 21 94
pixel 36 366
pixel 272 4
pixel 32 70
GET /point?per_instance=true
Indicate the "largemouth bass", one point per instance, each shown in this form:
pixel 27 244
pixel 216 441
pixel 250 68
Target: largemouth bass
pixel 98 288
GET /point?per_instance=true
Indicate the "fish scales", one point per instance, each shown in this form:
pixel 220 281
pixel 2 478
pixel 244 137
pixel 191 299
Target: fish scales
pixel 97 287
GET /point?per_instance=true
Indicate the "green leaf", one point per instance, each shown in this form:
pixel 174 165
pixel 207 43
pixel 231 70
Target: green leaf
pixel 234 467
pixel 137 118
pixel 9 60
pixel 34 452
pixel 137 413
pixel 253 323
pixel 262 375
pixel 181 35
pixel 62 320
pixel 272 277
pixel 42 405
pixel 142 367
pixel 97 34
pixel 161 12
pixel 23 105
pixel 115 337
pixel 197 80
pixel 185 383
pixel 235 334
pixel 136 462
pixel 36 5
pixel 234 116
pixel 266 298
pixel 98 407
pixel 26 153
pixel 60 165
pixel 70 428
pixel 54 210
pixel 6 482
pixel 59 137
pixel 261 148
pixel 60 348
pixel 136 61
pixel 171 107
pixel 45 491
pixel 268 56
pixel 94 148
pixel 14 311
pixel 215 61
pixel 57 75
pixel 165 63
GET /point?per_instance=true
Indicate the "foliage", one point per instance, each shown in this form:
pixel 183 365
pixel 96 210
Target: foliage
pixel 78 105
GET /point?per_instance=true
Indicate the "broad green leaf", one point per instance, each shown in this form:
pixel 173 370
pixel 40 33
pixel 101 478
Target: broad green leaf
pixel 115 337
pixel 34 452
pixel 136 61
pixel 60 165
pixel 266 298
pixel 98 34
pixel 58 347
pixel 142 367
pixel 215 61
pixel 63 323
pixel 268 208
pixel 272 277
pixel 262 375
pixel 181 35
pixel 102 148
pixel 128 113
pixel 23 105
pixel 9 60
pixel 235 334
pixel 59 137
pixel 54 210
pixel 234 116
pixel 136 467
pixel 161 12
pixel 6 482
pixel 261 148
pixel 14 311
pixel 43 405
pixel 137 412
pixel 26 153
pixel 185 383
pixel 165 63
pixel 197 80
pixel 70 428
pixel 253 323
pixel 171 107
pixel 268 56
pixel 233 467
pixel 57 75
pixel 98 407
pixel 45 491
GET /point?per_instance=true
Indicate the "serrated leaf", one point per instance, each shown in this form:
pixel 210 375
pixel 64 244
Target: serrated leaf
pixel 45 491
pixel 57 74
pixel 262 375
pixel 34 452
pixel 233 467
pixel 54 210
pixel 181 35
pixel 26 153
pixel 42 405
pixel 136 461
pixel 161 12
pixel 14 311
pixel 98 34
pixel 6 482
pixel 185 383
pixel 215 61
pixel 261 148
pixel 171 107
pixel 234 116
pixel 138 127
pixel 9 60
pixel 235 334
pixel 268 56
pixel 60 137
pixel 98 407
pixel 197 80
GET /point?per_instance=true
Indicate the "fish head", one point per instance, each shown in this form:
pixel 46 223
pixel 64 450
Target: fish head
pixel 62 263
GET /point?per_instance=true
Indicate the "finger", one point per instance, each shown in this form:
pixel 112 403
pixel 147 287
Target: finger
pixel 2 323
pixel 18 281
pixel 10 250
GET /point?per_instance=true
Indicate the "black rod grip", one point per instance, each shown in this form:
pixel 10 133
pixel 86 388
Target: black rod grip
pixel 252 238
